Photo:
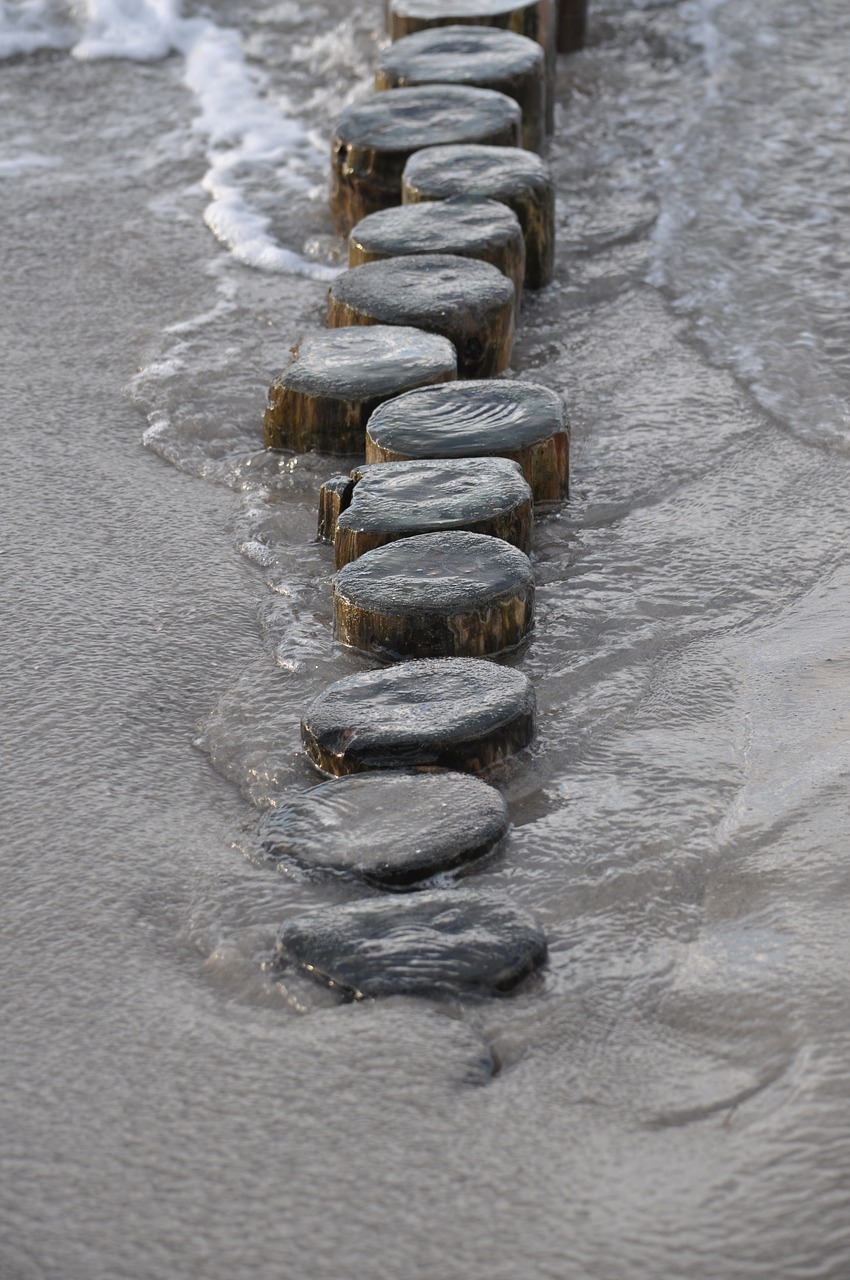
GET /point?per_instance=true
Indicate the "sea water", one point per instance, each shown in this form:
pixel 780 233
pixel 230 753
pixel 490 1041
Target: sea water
pixel 669 1097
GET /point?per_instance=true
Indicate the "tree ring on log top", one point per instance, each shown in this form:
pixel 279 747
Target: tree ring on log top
pixel 443 942
pixel 436 595
pixel 374 138
pixel 392 829
pixel 402 499
pixel 520 179
pixel 449 713
pixel 467 301
pixel 518 420
pixel 336 379
pixel 467 227
pixel 486 57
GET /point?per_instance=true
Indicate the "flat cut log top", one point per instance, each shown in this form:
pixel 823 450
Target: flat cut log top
pixel 439 171
pixel 463 225
pixel 400 121
pixel 460 55
pixel 433 494
pixel 426 289
pixel 436 573
pixel 463 419
pixel 359 363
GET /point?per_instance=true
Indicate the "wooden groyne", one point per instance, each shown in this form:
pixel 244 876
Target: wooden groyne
pixel 449 209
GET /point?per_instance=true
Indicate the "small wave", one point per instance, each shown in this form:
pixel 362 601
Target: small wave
pixel 246 130
pixel 751 243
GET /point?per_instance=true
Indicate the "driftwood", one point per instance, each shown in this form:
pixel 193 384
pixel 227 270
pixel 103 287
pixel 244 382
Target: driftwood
pixel 402 499
pixel 467 301
pixel 451 713
pixel 487 57
pixel 471 228
pixel 517 420
pixel 519 179
pixel 373 140
pixel 336 379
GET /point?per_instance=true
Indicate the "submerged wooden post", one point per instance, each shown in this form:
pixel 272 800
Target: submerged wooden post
pixel 392 829
pixel 454 713
pixel 441 943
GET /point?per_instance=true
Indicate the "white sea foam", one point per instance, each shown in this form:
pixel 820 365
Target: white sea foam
pixel 244 128
pixel 29 25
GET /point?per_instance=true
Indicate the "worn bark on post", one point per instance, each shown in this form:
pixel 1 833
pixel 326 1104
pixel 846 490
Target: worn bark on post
pixel 334 497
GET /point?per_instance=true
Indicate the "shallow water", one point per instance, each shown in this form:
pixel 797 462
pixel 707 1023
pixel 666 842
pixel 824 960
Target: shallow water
pixel 668 1098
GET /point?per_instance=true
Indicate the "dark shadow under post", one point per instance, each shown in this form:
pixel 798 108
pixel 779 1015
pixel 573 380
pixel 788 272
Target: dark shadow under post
pixel 572 25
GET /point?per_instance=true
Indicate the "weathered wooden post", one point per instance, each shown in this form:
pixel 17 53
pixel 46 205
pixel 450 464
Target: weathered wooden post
pixel 486 57
pixel 520 179
pixel 373 140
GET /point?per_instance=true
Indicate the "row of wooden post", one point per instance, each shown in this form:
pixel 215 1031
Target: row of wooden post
pixel 411 716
